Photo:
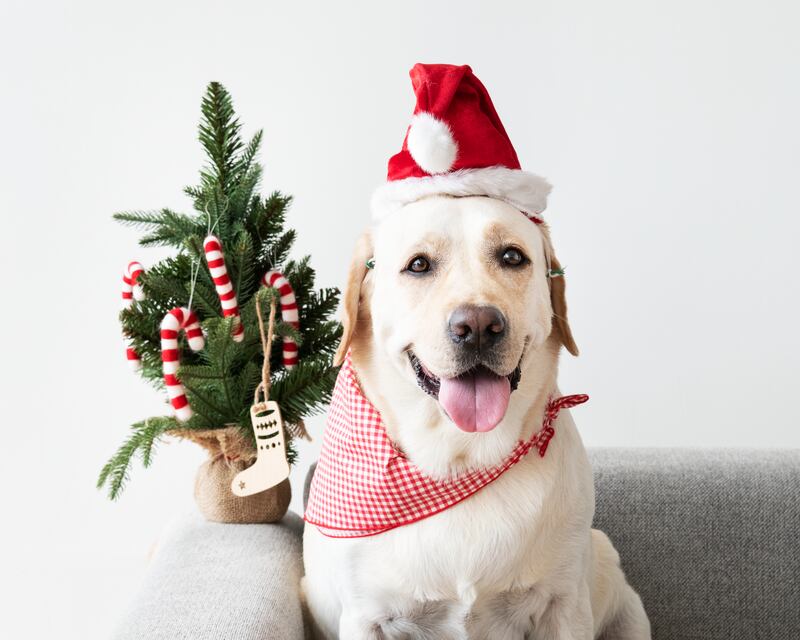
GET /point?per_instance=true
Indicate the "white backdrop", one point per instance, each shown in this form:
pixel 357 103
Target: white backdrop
pixel 668 129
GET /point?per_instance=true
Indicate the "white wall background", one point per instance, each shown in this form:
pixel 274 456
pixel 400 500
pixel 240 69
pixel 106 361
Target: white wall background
pixel 669 130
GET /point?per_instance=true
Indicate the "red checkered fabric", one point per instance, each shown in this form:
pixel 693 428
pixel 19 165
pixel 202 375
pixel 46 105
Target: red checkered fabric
pixel 364 485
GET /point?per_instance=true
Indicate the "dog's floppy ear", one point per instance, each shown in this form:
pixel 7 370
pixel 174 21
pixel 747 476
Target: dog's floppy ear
pixel 558 300
pixel 351 300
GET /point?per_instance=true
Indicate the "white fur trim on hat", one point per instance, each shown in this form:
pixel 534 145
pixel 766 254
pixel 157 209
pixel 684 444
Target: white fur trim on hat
pixel 525 191
pixel 430 142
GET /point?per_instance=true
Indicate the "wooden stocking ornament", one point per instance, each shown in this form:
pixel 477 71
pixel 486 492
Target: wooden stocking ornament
pixel 271 466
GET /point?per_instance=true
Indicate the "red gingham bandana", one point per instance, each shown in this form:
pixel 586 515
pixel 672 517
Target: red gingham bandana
pixel 364 485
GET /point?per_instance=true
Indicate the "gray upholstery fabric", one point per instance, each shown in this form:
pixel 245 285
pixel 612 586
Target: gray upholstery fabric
pixel 212 581
pixel 709 538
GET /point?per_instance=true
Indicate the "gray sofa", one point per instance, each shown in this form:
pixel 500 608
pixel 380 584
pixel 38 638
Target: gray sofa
pixel 709 538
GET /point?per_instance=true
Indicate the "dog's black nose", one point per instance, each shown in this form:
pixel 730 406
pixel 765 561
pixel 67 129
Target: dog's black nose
pixel 476 326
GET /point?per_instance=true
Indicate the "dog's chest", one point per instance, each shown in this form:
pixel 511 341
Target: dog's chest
pixel 511 545
pixel 490 543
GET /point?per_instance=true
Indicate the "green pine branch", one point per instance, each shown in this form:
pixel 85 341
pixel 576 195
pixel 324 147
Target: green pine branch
pixel 116 471
pixel 219 135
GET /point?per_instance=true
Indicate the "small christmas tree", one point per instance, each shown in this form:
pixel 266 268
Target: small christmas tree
pixel 220 379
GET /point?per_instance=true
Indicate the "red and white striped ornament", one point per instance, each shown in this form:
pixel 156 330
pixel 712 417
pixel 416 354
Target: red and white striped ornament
pixel 134 361
pixel 289 314
pixel 219 274
pixel 132 290
pixel 180 318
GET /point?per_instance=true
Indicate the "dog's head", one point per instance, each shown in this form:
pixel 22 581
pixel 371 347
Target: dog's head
pixel 458 299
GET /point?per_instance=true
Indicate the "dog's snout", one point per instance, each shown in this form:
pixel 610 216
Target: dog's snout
pixel 476 326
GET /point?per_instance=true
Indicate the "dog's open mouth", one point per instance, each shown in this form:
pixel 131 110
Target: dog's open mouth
pixel 476 400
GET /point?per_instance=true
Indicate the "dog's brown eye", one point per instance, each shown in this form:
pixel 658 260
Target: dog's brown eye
pixel 419 264
pixel 513 257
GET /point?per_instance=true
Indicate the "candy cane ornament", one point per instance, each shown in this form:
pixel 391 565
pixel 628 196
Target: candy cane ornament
pixel 222 283
pixel 132 290
pixel 134 361
pixel 180 318
pixel 289 314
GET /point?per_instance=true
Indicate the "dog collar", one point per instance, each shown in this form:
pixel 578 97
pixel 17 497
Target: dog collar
pixel 364 485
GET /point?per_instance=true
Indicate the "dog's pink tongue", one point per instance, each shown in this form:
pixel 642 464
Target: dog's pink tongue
pixel 475 401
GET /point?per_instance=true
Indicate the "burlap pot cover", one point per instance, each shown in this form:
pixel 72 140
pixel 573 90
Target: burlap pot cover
pixel 212 491
pixel 230 452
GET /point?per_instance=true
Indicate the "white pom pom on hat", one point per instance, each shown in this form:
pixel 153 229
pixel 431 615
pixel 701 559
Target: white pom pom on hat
pixel 430 142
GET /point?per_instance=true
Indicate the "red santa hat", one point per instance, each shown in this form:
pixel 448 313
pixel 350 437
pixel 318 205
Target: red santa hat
pixel 456 145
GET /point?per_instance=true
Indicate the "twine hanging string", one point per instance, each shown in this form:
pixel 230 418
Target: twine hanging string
pixel 266 344
pixel 295 429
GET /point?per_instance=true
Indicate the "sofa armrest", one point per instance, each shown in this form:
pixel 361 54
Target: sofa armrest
pixel 209 581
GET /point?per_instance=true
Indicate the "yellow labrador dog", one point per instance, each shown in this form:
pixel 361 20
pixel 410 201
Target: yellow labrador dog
pixel 454 337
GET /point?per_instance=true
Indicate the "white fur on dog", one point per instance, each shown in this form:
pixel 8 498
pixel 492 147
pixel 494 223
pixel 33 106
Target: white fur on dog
pixel 518 558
